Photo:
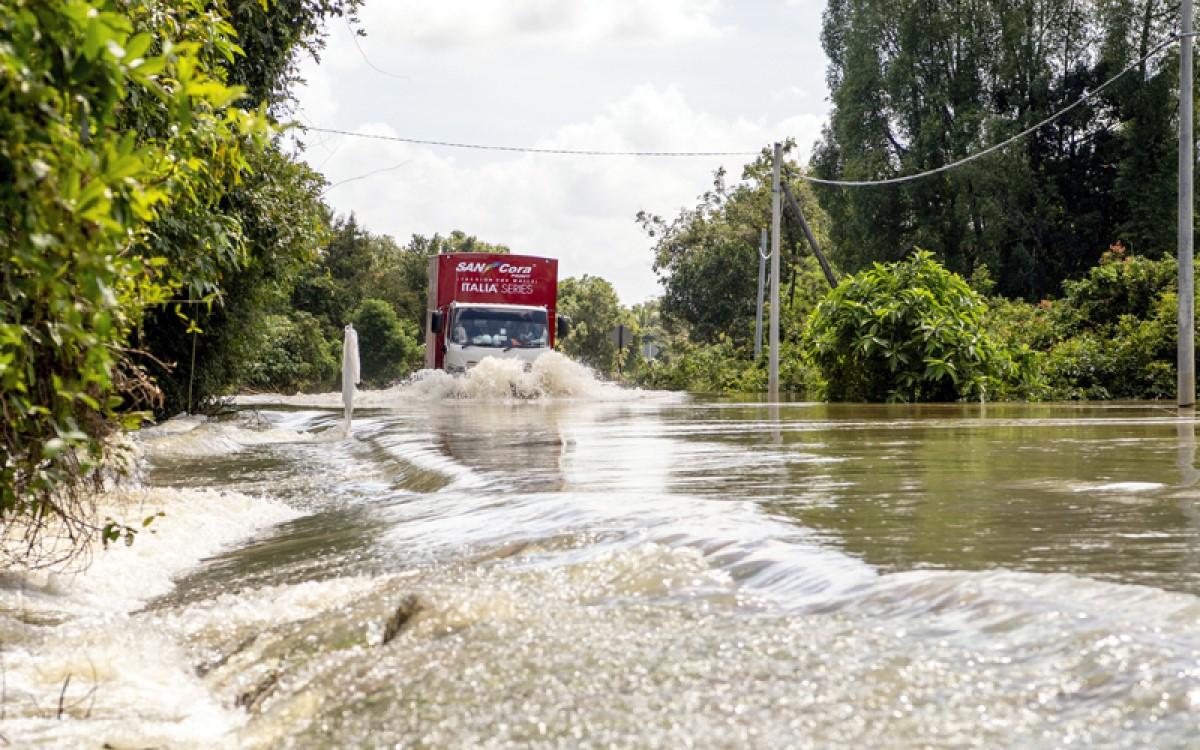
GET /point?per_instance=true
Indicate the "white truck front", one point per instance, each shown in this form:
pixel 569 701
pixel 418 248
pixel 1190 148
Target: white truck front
pixel 479 330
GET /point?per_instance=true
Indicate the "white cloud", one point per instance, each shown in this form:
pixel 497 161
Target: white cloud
pixel 579 209
pixel 459 23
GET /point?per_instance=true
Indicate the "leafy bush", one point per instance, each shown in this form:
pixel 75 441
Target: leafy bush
pixel 111 115
pixel 1113 335
pixel 1130 357
pixel 294 357
pixel 908 331
pixel 387 346
pixel 1120 285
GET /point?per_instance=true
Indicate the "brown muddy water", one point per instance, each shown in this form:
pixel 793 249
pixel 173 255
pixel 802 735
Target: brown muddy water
pixel 583 566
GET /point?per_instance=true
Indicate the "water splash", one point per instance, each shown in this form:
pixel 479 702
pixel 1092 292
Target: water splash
pixel 552 376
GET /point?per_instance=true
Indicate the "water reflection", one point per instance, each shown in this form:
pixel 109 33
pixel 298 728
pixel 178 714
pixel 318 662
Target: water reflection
pixel 520 445
pixel 1189 505
pixel 1077 488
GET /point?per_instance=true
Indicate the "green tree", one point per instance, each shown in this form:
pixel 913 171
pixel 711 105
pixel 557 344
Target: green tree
pixel 595 311
pixel 279 222
pixel 1115 330
pixel 707 258
pixel 918 84
pixel 387 346
pixel 255 240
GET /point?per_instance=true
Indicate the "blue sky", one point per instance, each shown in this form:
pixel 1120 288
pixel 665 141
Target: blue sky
pixel 664 75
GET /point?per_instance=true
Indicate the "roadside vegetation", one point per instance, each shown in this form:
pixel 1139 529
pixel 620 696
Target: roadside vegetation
pixel 149 213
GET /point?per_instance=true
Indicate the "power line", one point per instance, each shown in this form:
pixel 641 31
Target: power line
pixel 529 150
pixel 367 60
pixel 364 176
pixel 999 146
pixel 807 178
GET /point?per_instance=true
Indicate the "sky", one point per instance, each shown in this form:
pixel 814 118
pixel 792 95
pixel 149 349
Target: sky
pixel 614 75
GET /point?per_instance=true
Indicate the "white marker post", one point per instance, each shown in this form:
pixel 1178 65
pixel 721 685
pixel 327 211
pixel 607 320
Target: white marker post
pixel 350 373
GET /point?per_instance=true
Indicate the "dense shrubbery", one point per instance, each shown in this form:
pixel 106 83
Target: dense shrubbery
pixel 294 356
pixel 112 116
pixel 388 345
pixel 726 367
pixel 1111 335
pixel 908 331
pixel 149 221
pixel 1115 331
pixel 913 331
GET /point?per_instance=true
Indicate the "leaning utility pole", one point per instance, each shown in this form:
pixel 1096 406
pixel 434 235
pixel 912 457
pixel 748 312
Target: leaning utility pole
pixel 773 362
pixel 1186 390
pixel 812 241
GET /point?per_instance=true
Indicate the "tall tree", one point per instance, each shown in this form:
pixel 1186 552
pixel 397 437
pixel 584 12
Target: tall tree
pixel 917 84
pixel 595 311
pixel 266 231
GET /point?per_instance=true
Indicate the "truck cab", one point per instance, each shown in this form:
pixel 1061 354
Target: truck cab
pixel 484 305
pixel 479 330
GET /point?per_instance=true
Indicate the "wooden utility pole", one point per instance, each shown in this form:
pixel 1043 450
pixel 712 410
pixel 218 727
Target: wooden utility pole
pixel 773 363
pixel 1186 364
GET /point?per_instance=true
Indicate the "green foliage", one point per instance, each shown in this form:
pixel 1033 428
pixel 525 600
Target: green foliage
pixel 725 368
pixel 707 258
pixel 1115 331
pixel 908 331
pixel 595 311
pixel 387 346
pixel 294 356
pixel 280 222
pixel 253 242
pixel 111 116
pixel 273 36
pixel 916 85
pixel 1120 285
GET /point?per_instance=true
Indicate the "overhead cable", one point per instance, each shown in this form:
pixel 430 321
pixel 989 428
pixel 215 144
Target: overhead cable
pixel 999 146
pixel 1088 96
pixel 364 176
pixel 529 150
pixel 367 60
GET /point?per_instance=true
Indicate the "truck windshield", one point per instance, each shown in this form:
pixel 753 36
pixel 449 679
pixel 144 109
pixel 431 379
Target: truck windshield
pixel 499 327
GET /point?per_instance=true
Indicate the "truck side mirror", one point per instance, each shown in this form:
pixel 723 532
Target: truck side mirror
pixel 564 327
pixel 435 321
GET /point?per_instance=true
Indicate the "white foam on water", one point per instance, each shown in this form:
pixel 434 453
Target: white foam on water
pixel 187 526
pixel 1121 487
pixel 197 436
pixel 552 377
pixel 120 683
pixel 763 557
pixel 119 679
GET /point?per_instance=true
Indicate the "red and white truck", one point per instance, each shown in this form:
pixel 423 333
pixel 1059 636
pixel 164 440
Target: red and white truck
pixel 484 305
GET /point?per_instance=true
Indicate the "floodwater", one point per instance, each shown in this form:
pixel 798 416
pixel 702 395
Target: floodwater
pixel 540 560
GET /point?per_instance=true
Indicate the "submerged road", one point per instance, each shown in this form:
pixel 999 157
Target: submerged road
pixel 540 560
